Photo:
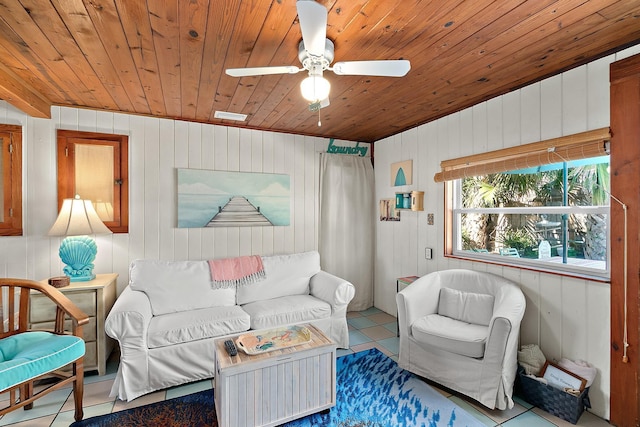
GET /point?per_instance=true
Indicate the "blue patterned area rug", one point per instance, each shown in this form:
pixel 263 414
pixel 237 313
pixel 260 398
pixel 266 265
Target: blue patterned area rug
pixel 372 391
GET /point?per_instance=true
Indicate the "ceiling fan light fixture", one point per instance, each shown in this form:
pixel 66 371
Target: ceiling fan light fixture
pixel 315 88
pixel 316 54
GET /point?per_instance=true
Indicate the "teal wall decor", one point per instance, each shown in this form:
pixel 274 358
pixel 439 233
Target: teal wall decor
pixel 400 178
pixel 337 149
pixel 402 173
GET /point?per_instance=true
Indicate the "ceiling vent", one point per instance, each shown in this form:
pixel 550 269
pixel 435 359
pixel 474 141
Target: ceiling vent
pixel 225 115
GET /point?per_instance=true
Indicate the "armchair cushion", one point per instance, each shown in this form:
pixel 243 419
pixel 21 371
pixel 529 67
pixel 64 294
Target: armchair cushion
pixel 451 335
pixel 468 307
pixel 30 354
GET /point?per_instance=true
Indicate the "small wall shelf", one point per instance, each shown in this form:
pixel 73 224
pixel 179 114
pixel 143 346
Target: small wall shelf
pixel 410 200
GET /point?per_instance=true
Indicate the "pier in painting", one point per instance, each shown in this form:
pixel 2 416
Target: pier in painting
pixel 238 212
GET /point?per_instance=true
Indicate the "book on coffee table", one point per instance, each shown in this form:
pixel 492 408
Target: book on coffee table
pixel 266 340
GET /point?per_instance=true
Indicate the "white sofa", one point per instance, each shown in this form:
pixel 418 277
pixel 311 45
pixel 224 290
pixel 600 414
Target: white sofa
pixel 168 317
pixel 460 328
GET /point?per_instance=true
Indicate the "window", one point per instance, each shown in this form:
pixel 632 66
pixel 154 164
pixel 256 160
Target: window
pixel 11 176
pixel 95 166
pixel 551 217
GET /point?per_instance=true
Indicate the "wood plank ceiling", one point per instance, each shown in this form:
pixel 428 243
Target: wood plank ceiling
pixel 166 58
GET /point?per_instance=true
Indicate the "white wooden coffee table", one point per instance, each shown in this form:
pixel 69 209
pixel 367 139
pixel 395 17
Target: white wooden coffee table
pixel 272 388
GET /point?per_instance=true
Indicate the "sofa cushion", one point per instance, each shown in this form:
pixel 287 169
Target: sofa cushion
pixel 192 325
pixel 286 311
pixel 284 275
pixel 176 286
pixel 468 307
pixel 451 335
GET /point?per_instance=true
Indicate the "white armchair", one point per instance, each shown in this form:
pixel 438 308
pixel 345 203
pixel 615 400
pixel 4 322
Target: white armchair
pixel 460 329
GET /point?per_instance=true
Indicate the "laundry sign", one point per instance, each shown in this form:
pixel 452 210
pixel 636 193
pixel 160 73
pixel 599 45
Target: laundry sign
pixel 337 149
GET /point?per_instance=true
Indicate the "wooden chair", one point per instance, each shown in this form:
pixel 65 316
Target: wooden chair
pixel 29 355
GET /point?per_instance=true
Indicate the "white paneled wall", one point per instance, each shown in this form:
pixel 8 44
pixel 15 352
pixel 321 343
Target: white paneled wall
pixel 156 148
pixel 567 317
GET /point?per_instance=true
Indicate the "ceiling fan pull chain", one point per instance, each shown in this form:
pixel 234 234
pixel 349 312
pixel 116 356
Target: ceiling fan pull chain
pixel 319 122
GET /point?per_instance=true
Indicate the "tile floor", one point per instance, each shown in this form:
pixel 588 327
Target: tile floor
pixel 370 328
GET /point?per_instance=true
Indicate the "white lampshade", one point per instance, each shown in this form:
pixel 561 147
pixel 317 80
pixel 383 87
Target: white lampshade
pixel 315 88
pixel 78 218
pixel 104 210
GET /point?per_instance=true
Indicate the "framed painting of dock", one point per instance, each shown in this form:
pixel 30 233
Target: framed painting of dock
pixel 208 198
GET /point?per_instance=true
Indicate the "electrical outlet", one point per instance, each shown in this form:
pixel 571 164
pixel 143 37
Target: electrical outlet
pixel 427 253
pixel 430 219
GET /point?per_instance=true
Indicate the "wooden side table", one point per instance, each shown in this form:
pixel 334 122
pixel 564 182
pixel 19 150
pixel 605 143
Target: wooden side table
pixel 404 282
pixel 94 297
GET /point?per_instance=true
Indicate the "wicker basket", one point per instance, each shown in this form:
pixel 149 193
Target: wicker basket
pixel 553 400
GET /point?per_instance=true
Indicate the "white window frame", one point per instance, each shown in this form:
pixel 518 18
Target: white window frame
pixel 538 265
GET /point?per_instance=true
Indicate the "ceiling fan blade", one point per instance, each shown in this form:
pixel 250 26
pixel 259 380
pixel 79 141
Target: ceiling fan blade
pixel 313 24
pixel 386 68
pixel 262 71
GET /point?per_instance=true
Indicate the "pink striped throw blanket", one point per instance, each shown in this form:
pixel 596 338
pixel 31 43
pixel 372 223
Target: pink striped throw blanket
pixel 234 272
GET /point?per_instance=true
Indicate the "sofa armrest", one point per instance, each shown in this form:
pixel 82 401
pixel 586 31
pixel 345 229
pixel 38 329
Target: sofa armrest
pixel 507 316
pixel 332 289
pixel 499 331
pixel 129 319
pixel 415 301
pixel 499 361
pixel 502 342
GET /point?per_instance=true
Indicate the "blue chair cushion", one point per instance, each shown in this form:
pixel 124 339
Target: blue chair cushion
pixel 30 354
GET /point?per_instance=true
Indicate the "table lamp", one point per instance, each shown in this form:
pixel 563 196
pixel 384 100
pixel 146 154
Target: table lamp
pixel 104 210
pixel 76 220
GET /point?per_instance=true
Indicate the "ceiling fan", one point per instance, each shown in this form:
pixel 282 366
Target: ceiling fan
pixel 315 52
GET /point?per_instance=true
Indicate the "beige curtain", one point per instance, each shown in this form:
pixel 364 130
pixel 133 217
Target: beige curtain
pixel 347 223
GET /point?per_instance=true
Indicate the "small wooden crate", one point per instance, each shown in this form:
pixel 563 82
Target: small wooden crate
pixel 272 388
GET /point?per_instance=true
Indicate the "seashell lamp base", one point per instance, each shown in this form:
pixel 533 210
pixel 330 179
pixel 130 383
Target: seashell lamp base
pixel 78 253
